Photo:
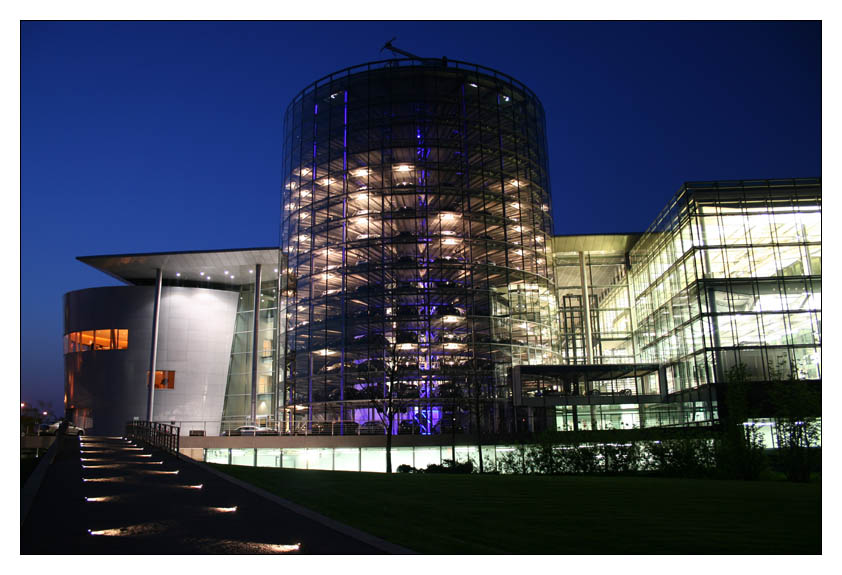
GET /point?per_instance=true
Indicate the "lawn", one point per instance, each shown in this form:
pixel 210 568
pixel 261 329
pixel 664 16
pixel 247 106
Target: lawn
pixel 558 515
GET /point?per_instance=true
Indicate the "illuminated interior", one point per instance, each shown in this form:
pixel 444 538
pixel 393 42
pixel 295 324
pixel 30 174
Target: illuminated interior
pixel 100 339
pixel 416 221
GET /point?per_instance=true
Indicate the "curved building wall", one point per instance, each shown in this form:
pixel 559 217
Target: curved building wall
pixel 105 388
pixel 416 218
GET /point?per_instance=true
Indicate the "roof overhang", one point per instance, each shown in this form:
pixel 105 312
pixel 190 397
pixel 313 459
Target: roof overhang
pixel 595 243
pixel 226 267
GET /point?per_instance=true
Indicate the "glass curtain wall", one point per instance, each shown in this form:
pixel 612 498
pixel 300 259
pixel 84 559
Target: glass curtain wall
pixel 237 408
pixel 730 274
pixel 416 219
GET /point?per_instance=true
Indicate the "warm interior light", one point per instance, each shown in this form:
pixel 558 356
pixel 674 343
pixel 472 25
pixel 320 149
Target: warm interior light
pixel 283 548
pixel 224 509
pixel 361 172
pixel 404 168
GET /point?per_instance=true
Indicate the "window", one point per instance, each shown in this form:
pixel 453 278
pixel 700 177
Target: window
pixel 163 379
pixel 100 339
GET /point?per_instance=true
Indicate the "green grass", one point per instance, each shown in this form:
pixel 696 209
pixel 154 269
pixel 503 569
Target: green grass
pixel 558 515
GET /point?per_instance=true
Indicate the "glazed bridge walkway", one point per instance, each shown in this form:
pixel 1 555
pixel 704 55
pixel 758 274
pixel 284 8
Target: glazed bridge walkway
pixel 107 495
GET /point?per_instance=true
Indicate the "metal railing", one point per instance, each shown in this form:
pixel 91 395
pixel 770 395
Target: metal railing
pixel 160 435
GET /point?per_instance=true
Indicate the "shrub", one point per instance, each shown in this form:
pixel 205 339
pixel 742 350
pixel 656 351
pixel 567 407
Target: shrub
pixel 621 458
pixel 450 466
pixel 683 457
pixel 404 468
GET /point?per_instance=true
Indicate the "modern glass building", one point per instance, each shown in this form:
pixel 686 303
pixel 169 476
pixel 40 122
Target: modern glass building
pixel 416 220
pixel 417 262
pixel 730 274
pixel 652 325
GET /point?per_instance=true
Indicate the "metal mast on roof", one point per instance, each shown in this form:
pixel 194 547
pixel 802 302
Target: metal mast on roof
pixel 398 52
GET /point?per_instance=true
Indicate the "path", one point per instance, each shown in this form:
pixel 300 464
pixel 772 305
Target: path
pixel 106 495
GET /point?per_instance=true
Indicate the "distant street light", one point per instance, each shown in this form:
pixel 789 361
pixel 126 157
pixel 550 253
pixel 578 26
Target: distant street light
pixel 22 405
pixel 44 413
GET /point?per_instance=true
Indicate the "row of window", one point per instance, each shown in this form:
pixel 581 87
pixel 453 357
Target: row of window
pixel 99 339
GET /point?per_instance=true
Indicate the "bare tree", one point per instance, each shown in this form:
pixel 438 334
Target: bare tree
pixel 387 396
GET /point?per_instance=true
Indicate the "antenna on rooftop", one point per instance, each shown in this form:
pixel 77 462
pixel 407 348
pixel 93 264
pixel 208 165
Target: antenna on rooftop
pixel 398 52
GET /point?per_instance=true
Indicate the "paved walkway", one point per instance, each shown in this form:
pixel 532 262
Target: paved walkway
pixel 109 496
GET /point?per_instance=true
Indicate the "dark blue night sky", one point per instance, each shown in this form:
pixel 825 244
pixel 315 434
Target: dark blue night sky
pixel 167 136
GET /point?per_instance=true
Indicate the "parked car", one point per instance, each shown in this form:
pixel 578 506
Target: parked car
pixel 409 427
pixel 321 428
pixel 371 365
pixel 372 428
pixel 443 310
pixel 251 430
pixel 407 336
pixel 346 428
pixel 70 430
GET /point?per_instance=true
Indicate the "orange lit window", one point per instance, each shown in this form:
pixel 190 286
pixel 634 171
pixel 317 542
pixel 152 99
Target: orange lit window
pixel 101 339
pixel 86 340
pixel 164 379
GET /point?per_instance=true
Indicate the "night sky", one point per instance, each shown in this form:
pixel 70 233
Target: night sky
pixel 167 136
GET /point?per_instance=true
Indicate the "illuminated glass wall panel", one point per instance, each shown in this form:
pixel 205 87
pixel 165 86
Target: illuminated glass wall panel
pixel 237 409
pixel 730 274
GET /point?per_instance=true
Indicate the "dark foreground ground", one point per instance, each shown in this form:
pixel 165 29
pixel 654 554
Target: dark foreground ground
pixel 559 515
pixel 107 496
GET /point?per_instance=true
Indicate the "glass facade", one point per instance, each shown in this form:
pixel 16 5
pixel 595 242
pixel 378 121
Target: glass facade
pixel 371 459
pixel 237 408
pixel 416 220
pixel 730 274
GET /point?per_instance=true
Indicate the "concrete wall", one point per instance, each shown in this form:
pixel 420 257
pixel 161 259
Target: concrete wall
pixel 107 388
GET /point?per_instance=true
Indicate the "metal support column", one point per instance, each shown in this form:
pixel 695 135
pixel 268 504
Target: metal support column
pixel 586 310
pixel 586 320
pixel 254 343
pixel 153 354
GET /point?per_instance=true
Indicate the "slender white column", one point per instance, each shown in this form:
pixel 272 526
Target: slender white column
pixel 153 353
pixel 254 343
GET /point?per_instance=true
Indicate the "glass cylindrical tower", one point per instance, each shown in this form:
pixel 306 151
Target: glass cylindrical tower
pixel 416 222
